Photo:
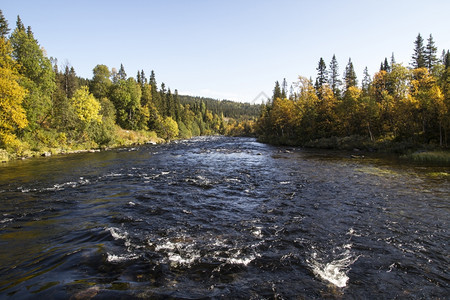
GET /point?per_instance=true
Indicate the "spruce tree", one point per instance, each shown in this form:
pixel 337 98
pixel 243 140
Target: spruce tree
pixel 4 29
pixel 350 75
pixel 122 74
pixel 418 57
pixel 321 74
pixel 334 80
pixel 143 78
pixel 176 101
pixel 170 108
pixel 138 79
pixel 430 54
pixel 19 24
pixel 162 108
pixel 284 89
pixel 276 91
pixel 70 84
pixel 392 60
pixel 386 66
pixel 366 82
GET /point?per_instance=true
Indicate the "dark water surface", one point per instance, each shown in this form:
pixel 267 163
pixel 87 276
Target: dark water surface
pixel 226 218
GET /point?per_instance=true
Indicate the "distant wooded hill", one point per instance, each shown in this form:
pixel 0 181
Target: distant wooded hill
pixel 229 109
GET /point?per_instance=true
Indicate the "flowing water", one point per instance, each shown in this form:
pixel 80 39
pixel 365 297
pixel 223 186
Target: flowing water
pixel 221 217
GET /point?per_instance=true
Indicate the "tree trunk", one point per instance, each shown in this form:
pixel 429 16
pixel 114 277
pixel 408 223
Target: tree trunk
pixel 370 131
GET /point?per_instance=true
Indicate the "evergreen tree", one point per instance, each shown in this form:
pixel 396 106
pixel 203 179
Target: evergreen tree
pixel 386 66
pixel 392 59
pixel 291 93
pixel 321 74
pixel 366 82
pixel 162 101
pixel 143 78
pixel 418 57
pixel 155 94
pixel 70 81
pixel 350 75
pixel 37 72
pixel 430 54
pixel 334 80
pixel 276 91
pixel 4 29
pixel 19 25
pixel 177 106
pixel 122 74
pixel 284 89
pixel 138 79
pixel 170 108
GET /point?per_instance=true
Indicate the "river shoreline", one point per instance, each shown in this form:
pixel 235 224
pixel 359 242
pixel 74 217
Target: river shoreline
pixel 6 157
pixel 359 146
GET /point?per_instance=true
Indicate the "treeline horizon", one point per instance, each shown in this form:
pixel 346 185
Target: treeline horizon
pixel 398 104
pixel 46 106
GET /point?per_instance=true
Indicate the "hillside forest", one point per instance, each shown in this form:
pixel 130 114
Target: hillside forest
pixel 398 105
pixel 44 106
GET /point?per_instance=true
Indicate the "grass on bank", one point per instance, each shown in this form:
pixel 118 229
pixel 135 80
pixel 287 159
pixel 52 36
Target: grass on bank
pixel 407 149
pixel 437 156
pixel 47 143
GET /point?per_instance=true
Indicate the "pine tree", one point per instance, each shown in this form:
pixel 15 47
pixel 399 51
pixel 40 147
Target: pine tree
pixel 334 80
pixel 4 29
pixel 418 57
pixel 430 54
pixel 321 74
pixel 350 75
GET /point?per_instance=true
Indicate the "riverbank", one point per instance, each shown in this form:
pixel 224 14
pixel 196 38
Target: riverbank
pixel 124 138
pixel 429 153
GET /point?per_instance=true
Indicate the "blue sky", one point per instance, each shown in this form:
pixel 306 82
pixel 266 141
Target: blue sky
pixel 230 49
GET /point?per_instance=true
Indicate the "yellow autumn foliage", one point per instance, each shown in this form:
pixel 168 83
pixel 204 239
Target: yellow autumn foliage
pixel 12 114
pixel 87 108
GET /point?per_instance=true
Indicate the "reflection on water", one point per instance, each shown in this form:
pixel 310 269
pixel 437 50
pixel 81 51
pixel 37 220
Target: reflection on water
pixel 223 217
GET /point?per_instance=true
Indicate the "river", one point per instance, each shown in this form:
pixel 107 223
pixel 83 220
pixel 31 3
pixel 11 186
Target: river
pixel 223 218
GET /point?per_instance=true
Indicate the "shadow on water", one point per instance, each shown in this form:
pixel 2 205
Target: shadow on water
pixel 219 217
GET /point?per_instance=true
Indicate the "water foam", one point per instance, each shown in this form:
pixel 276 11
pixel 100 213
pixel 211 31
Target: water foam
pixel 120 258
pixel 334 271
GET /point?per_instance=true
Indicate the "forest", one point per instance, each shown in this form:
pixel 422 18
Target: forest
pixel 398 107
pixel 47 107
